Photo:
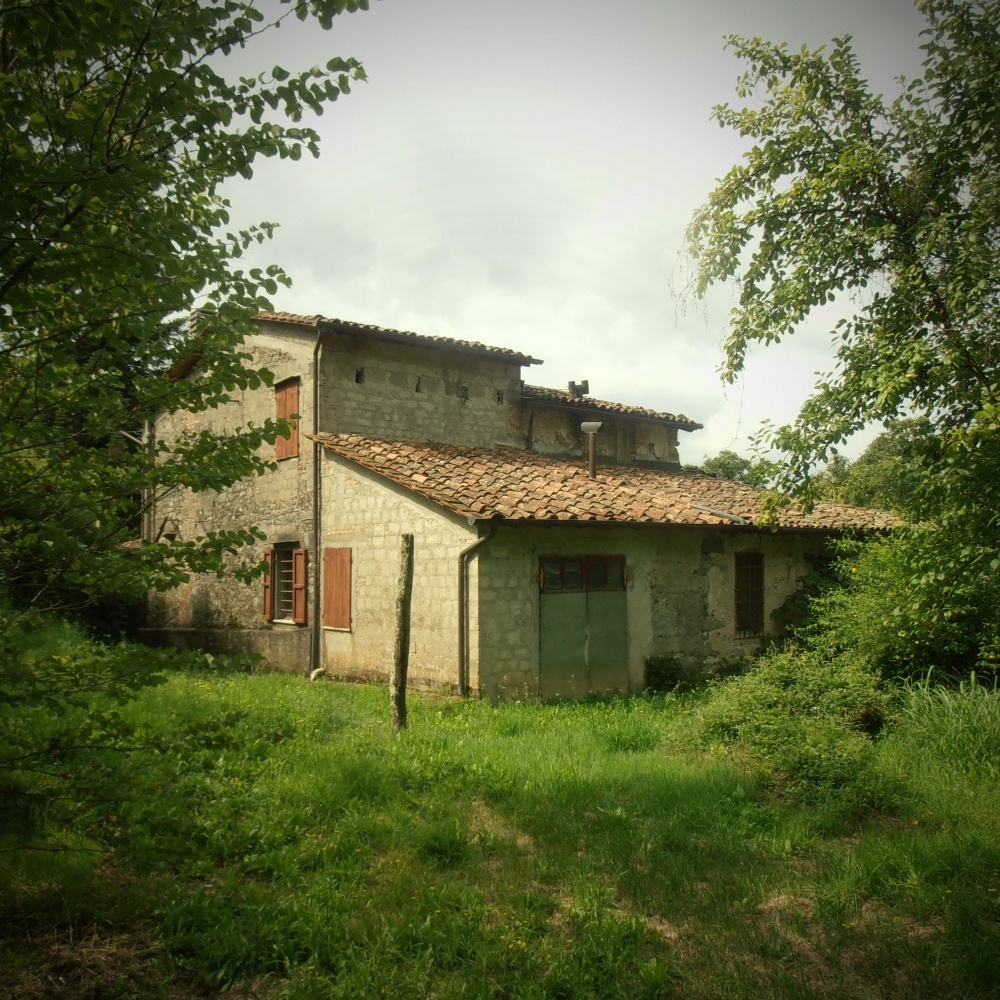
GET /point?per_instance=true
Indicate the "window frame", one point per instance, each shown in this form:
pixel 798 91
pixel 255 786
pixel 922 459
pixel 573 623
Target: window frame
pixel 588 573
pixel 286 584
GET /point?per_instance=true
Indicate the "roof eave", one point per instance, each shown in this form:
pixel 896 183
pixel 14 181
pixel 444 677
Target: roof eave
pixel 593 407
pixel 416 340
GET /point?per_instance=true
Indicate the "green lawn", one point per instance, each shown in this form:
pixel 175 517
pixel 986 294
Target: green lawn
pixel 279 841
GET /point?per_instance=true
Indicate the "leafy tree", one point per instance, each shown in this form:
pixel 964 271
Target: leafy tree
pixel 728 465
pixel 118 128
pixel 895 202
pixel 889 473
pixel 894 206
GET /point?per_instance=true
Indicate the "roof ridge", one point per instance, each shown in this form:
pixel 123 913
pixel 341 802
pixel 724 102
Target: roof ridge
pixel 385 332
pixel 563 397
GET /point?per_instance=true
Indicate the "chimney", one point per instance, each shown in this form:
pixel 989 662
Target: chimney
pixel 590 428
pixel 579 389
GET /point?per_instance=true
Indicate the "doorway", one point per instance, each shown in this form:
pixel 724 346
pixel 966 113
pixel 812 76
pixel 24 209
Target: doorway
pixel 583 626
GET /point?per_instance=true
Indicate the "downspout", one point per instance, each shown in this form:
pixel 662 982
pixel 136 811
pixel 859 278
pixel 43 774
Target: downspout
pixel 316 633
pixel 463 605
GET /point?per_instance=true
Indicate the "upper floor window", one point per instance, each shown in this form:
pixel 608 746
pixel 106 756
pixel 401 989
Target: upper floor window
pixel 286 407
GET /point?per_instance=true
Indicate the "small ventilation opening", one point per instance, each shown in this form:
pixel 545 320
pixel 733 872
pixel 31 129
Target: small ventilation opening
pixel 500 397
pixel 359 376
pixel 418 387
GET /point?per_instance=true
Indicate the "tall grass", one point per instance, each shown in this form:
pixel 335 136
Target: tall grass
pixel 959 726
pixel 279 840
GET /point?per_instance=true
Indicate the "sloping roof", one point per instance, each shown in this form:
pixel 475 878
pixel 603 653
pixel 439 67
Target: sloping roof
pixel 561 398
pixel 525 486
pixel 371 332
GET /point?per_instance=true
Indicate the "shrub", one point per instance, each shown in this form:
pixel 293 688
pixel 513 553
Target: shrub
pixel 65 743
pixel 810 719
pixel 904 615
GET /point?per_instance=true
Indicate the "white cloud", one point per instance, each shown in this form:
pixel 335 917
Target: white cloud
pixel 522 174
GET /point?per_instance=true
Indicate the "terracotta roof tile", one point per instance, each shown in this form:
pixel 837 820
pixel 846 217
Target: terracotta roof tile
pixel 562 399
pixel 399 336
pixel 523 486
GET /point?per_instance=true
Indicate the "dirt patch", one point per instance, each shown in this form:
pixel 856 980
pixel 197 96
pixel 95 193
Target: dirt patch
pixel 485 820
pixel 99 964
pixel 108 965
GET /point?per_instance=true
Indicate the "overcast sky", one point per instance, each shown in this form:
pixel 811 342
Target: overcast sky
pixel 521 173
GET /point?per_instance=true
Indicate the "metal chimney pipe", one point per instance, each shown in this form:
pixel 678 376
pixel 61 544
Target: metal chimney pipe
pixel 590 428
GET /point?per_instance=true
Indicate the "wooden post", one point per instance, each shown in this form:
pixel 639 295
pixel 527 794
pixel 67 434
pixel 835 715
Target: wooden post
pixel 397 684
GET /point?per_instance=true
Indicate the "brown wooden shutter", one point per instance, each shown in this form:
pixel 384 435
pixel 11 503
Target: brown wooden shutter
pixel 300 562
pixel 337 588
pixel 286 404
pixel 280 405
pixel 269 585
pixel 293 408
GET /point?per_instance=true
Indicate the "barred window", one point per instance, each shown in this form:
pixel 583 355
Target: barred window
pixel 285 584
pixel 749 594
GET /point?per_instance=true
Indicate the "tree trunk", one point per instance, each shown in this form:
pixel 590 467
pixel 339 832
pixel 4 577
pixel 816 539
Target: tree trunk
pixel 397 684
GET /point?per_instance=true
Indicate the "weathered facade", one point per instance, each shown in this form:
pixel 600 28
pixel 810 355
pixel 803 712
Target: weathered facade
pixel 532 578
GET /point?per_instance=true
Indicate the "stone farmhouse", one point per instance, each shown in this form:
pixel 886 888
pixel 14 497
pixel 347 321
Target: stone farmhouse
pixel 559 546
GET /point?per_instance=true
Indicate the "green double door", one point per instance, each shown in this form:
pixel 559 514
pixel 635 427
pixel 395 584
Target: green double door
pixel 583 628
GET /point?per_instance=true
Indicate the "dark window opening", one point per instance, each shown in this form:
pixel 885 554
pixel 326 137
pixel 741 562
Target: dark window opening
pixel 500 397
pixel 749 594
pixel 359 375
pixel 573 574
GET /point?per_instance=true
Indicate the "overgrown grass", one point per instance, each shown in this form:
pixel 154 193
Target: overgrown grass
pixel 281 842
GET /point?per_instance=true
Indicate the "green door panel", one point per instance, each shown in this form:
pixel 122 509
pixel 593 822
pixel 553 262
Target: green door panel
pixel 607 644
pixel 563 662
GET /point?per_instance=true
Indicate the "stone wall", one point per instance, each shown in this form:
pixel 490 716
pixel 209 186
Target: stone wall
pixel 417 393
pixel 368 515
pixel 552 430
pixel 222 614
pixel 680 592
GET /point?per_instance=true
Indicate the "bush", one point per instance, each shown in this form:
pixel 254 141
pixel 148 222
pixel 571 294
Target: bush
pixel 665 673
pixel 904 614
pixel 809 719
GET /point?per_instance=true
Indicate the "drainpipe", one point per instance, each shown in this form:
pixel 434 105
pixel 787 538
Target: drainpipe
pixel 316 633
pixel 720 513
pixel 463 605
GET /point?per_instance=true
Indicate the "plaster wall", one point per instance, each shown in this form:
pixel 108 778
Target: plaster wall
pixel 553 430
pixel 369 516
